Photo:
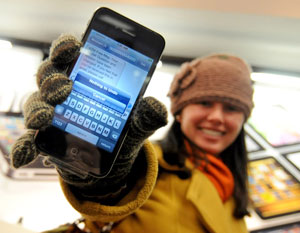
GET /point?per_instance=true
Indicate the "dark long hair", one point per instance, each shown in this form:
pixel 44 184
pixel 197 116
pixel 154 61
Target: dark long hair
pixel 235 157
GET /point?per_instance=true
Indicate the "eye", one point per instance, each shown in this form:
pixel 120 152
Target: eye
pixel 206 103
pixel 231 108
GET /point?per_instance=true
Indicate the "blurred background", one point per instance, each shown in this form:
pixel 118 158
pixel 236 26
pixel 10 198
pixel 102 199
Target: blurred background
pixel 265 33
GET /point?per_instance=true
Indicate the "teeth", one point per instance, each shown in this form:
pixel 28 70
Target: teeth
pixel 212 132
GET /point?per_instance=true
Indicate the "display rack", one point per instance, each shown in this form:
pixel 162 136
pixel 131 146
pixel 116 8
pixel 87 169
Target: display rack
pixel 275 194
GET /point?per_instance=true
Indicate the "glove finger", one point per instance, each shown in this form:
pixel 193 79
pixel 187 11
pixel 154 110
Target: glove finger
pixel 150 115
pixel 24 150
pixel 47 163
pixel 37 113
pixel 54 85
pixel 64 49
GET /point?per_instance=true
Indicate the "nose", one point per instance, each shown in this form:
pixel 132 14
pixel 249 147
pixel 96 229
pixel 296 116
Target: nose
pixel 216 113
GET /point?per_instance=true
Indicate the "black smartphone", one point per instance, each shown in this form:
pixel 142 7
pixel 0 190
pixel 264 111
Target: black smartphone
pixel 110 75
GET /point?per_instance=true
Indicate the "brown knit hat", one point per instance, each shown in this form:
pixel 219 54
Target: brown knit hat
pixel 219 77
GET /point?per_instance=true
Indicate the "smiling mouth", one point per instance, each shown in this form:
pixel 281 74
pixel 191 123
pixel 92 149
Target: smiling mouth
pixel 212 132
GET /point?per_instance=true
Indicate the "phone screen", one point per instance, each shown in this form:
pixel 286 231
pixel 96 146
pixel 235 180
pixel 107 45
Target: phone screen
pixel 107 80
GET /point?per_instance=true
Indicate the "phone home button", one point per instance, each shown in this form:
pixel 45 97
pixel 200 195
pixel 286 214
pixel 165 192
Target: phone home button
pixel 74 151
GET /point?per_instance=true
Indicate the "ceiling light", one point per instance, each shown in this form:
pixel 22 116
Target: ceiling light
pixel 276 80
pixel 5 44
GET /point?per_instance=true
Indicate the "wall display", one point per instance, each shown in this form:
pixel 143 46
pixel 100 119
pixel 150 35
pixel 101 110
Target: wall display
pixel 286 228
pixel 279 129
pixel 273 190
pixel 274 116
pixel 11 128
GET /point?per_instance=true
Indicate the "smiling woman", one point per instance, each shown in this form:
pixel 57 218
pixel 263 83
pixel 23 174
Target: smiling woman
pixel 212 126
pixel 211 99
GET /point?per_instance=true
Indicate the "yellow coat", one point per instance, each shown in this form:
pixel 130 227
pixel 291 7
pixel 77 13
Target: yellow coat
pixel 164 204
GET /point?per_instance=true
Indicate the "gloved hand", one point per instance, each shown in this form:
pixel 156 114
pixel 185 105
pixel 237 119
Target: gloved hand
pixel 54 87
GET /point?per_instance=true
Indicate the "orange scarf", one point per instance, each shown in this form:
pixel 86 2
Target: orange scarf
pixel 215 170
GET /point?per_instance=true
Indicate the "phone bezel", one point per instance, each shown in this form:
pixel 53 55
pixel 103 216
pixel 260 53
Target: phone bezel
pixel 145 41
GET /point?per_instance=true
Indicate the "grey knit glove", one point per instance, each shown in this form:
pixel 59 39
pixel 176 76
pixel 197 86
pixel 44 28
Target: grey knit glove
pixel 54 87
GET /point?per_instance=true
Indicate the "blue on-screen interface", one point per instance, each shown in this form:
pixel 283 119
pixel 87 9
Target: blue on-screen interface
pixel 107 78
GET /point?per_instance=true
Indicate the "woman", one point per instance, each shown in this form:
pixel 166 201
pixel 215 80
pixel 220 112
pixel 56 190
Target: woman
pixel 200 183
pixel 210 110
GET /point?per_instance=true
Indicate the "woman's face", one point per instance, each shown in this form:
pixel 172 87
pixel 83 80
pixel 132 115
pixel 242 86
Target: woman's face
pixel 212 126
